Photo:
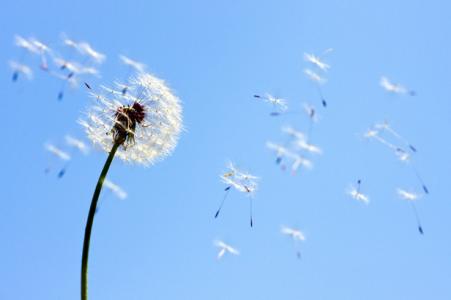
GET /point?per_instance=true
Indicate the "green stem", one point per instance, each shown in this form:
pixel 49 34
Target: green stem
pixel 90 221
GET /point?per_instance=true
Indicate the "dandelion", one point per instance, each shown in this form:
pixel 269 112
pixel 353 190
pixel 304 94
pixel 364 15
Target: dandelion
pixel 225 248
pixel 242 182
pixel 279 104
pixel 395 88
pixel 296 236
pixel 411 197
pixel 356 194
pixel 116 189
pixel 18 69
pixel 140 127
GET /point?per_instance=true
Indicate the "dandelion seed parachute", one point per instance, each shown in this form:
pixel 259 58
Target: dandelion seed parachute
pixel 242 182
pixel 411 197
pixel 116 189
pixel 19 68
pixel 296 236
pixel 223 248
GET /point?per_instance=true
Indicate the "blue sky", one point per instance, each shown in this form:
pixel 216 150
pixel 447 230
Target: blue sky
pixel 157 244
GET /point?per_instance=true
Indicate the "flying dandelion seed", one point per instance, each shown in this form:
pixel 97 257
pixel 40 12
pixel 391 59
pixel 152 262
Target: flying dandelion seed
pixel 318 81
pixel 74 71
pixel 279 105
pixel 355 193
pixel 132 66
pixel 76 143
pixel 60 154
pixel 385 126
pixel 225 248
pixel 18 69
pixel 116 189
pixel 25 44
pixel 140 127
pixel 303 145
pixel 86 49
pixel 43 50
pixel 400 153
pixel 316 61
pixel 296 236
pixel 395 88
pixel 295 160
pixel 411 197
pixel 300 141
pixel 34 47
pixel 310 111
pixel 240 181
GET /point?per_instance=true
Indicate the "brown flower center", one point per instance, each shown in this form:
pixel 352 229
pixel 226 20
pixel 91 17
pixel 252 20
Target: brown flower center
pixel 125 120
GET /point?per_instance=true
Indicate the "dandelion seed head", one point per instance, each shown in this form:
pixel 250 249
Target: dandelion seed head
pixel 146 121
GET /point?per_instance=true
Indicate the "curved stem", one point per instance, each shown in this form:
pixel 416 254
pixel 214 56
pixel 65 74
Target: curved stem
pixel 90 221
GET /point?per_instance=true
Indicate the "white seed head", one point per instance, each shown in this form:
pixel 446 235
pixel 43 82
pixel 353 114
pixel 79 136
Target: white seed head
pixel 153 136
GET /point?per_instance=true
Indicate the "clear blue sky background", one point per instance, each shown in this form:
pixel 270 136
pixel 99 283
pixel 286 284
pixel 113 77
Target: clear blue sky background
pixel 157 244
